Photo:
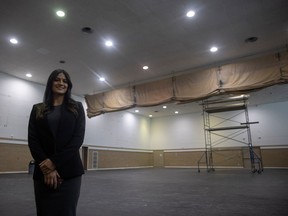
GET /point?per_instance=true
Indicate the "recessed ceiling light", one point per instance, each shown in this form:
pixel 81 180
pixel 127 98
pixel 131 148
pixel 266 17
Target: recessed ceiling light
pixel 109 43
pixel 60 13
pixel 102 79
pixel 150 116
pixel 190 13
pixel 13 41
pixel 136 111
pixel 176 112
pixel 213 49
pixel 29 75
pixel 145 67
pixel 164 107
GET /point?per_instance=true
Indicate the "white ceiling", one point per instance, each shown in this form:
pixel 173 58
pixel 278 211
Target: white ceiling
pixel 156 33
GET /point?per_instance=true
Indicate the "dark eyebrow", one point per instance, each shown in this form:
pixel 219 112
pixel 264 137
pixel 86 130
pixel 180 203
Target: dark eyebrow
pixel 57 78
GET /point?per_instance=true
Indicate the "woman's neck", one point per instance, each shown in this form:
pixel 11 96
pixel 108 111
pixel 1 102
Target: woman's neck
pixel 58 100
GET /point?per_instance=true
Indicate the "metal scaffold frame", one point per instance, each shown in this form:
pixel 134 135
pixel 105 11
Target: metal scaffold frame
pixel 237 104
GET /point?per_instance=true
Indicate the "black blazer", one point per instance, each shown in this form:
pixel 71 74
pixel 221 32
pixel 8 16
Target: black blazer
pixel 63 148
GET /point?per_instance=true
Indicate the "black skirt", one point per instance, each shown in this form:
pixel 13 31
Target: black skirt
pixel 61 201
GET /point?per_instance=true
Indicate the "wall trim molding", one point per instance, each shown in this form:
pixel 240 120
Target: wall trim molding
pixel 117 149
pixel 119 168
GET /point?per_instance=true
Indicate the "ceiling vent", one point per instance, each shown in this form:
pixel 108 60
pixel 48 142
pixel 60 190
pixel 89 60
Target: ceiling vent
pixel 87 30
pixel 251 39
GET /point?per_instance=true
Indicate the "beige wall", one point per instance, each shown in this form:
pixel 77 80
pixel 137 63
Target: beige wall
pixel 119 159
pixel 275 157
pixel 184 158
pixel 158 156
pixel 16 158
pixel 222 157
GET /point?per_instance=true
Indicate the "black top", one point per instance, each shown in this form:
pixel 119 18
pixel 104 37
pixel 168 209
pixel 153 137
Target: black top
pixel 54 118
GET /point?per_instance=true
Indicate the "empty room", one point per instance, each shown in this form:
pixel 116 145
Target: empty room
pixel 143 107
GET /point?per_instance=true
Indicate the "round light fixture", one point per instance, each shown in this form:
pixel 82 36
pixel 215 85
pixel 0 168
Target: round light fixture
pixel 145 67
pixel 60 13
pixel 190 13
pixel 109 43
pixel 13 41
pixel 213 49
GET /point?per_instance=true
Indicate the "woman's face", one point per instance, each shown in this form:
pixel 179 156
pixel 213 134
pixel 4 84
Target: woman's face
pixel 60 84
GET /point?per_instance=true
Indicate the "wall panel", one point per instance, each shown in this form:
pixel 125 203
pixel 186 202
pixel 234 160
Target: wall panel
pixel 14 157
pixel 110 159
pixel 182 158
pixel 276 158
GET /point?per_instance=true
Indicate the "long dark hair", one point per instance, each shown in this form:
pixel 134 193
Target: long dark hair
pixel 68 102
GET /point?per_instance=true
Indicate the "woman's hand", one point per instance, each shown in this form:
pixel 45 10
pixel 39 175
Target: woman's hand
pixel 52 179
pixel 47 166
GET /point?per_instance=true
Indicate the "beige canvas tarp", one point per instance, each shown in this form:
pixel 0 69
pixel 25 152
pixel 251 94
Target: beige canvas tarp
pixel 115 100
pixel 253 74
pixel 196 85
pixel 240 76
pixel 154 93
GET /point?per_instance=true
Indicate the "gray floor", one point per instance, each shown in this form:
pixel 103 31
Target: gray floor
pixel 164 192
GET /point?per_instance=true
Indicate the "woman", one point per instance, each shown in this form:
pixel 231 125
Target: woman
pixel 55 134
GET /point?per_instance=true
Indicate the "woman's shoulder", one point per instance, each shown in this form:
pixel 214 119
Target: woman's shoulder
pixel 39 110
pixel 75 106
pixel 77 103
pixel 39 106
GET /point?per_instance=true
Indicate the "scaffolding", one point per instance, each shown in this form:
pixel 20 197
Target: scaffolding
pixel 228 114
